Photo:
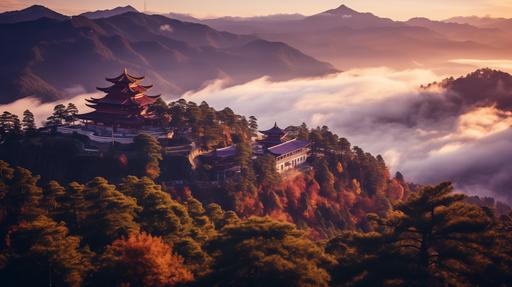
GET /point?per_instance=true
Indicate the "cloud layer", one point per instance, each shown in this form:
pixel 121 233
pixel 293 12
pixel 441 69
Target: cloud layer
pixel 430 135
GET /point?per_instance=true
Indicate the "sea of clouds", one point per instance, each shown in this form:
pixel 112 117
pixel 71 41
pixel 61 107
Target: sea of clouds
pixel 426 134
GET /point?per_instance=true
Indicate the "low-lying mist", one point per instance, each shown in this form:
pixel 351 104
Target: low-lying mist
pixel 423 133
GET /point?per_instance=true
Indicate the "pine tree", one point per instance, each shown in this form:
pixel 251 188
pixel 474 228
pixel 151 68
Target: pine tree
pixel 262 252
pixel 149 155
pixel 58 117
pixel 109 215
pixel 433 239
pixel 303 133
pixel 9 124
pixel 28 122
pixel 44 247
pixel 253 126
pixel 160 214
pixel 70 113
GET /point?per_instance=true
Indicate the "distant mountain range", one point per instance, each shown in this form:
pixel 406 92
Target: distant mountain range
pixel 348 38
pixel 51 56
pixel 30 14
pixel 54 57
pixel 109 13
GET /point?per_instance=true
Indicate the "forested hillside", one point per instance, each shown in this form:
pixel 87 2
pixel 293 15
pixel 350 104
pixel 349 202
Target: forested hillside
pixel 140 215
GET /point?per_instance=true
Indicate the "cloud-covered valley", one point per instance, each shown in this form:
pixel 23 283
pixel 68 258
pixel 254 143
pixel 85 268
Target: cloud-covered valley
pixel 430 134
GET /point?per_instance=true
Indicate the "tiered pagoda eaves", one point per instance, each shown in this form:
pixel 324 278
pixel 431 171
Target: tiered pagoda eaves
pixel 124 105
pixel 273 136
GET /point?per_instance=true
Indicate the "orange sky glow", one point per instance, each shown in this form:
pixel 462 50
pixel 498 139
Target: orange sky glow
pixel 395 9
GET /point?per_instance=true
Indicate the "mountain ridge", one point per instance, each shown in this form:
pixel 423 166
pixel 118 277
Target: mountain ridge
pixel 175 56
pixel 31 13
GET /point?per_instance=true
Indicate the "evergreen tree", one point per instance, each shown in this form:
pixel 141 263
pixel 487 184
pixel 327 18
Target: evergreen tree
pixel 253 126
pixel 28 122
pixel 9 124
pixel 58 117
pixel 149 155
pixel 160 214
pixel 303 133
pixel 70 114
pixel 262 252
pixel 44 247
pixel 109 215
pixel 433 239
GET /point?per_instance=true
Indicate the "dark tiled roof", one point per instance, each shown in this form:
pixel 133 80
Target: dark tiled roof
pixel 274 131
pixel 288 146
pixel 225 152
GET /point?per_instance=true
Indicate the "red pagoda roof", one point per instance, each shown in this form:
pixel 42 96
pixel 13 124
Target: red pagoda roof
pixel 124 102
pixel 125 78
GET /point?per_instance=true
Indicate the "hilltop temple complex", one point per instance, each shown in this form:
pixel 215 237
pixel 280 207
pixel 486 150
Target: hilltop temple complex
pixel 124 112
pixel 121 114
pixel 288 154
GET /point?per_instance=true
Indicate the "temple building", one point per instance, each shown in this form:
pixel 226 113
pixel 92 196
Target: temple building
pixel 273 136
pixel 124 106
pixel 121 114
pixel 288 154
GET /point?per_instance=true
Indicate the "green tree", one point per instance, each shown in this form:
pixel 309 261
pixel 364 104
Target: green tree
pixel 28 122
pixel 160 214
pixel 433 239
pixel 262 252
pixel 9 124
pixel 164 217
pixel 303 133
pixel 109 215
pixel 265 169
pixel 70 114
pixel 44 247
pixel 58 117
pixel 149 155
pixel 253 126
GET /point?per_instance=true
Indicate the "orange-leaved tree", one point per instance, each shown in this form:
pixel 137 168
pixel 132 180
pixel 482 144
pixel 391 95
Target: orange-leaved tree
pixel 141 260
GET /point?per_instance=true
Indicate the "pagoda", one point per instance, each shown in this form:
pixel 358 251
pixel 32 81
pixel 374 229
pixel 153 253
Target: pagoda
pixel 273 136
pixel 125 104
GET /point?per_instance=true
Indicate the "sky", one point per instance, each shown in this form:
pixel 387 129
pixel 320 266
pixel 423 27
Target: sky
pixel 395 9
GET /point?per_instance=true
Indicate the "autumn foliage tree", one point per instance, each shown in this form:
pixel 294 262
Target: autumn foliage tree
pixel 141 260
pixel 432 239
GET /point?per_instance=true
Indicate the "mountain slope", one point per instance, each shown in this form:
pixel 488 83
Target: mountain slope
pixel 109 12
pixel 351 39
pixel 51 59
pixel 29 14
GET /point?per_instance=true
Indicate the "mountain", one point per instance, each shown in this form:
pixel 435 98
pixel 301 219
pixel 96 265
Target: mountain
pixel 346 17
pixel 29 14
pixel 505 24
pixel 108 12
pixel 181 17
pixel 464 31
pixel 53 59
pixel 350 39
pixel 495 85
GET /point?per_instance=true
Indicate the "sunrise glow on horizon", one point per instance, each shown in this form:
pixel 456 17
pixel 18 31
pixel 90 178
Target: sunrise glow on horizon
pixel 395 9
